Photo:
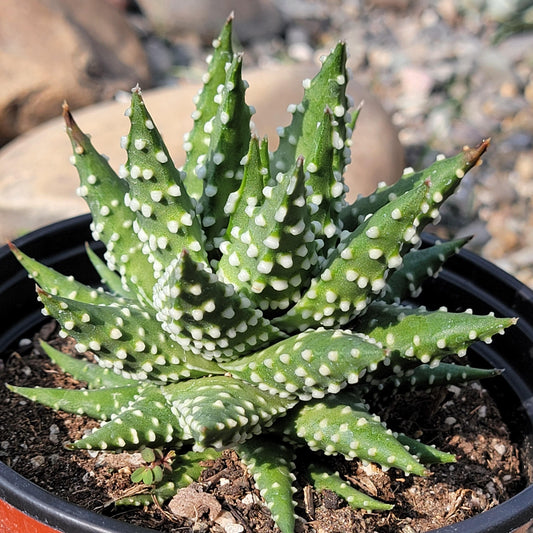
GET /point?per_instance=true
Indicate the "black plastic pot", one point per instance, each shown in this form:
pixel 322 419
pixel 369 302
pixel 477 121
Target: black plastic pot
pixel 467 282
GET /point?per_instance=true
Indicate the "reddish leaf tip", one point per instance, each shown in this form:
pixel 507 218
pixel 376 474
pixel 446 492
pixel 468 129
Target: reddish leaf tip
pixel 473 155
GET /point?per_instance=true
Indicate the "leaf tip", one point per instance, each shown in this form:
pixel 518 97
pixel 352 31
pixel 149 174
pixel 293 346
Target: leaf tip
pixel 473 155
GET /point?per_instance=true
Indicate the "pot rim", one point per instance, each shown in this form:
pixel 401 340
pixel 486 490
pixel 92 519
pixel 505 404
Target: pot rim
pixel 52 510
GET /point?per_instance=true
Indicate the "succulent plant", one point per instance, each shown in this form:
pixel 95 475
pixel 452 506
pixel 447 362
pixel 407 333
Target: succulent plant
pixel 245 304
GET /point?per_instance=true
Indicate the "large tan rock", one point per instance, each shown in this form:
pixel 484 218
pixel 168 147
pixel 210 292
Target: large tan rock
pixel 37 183
pixel 55 49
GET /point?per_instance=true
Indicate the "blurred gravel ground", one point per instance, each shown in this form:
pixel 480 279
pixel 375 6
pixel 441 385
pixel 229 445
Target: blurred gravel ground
pixel 450 76
pixel 449 72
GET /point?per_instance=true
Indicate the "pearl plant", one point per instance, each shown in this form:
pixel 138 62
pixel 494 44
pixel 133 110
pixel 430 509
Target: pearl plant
pixel 246 304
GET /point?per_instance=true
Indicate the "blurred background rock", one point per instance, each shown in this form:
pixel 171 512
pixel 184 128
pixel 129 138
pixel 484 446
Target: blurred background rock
pixel 447 72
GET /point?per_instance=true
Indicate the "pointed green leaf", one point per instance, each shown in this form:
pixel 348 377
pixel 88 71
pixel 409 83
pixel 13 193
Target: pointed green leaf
pixel 187 468
pixel 112 222
pixel 418 265
pixel 124 338
pixel 426 376
pixel 219 412
pixel 228 144
pixel 326 186
pixel 66 286
pixel 445 175
pixel 427 335
pixel 147 420
pixel 427 455
pixel 101 404
pixel 111 279
pixel 342 424
pixel 325 480
pixel 268 253
pixel 207 316
pixel 166 221
pixel 356 271
pixel 310 364
pixel 94 375
pixel 270 464
pixel 326 90
pixel 197 141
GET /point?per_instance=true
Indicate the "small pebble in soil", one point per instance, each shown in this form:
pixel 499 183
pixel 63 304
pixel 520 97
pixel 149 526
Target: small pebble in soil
pixel 500 448
pixel 249 499
pixel 234 528
pixel 54 433
pixel 491 489
pixel 226 520
pixel 87 476
pixel 37 461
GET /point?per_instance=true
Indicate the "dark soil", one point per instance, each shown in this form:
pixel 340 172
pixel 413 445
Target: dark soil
pixel 462 420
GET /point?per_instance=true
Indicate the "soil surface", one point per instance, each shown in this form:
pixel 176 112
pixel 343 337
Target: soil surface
pixel 462 420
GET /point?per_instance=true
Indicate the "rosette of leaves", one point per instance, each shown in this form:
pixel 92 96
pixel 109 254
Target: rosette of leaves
pixel 244 303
